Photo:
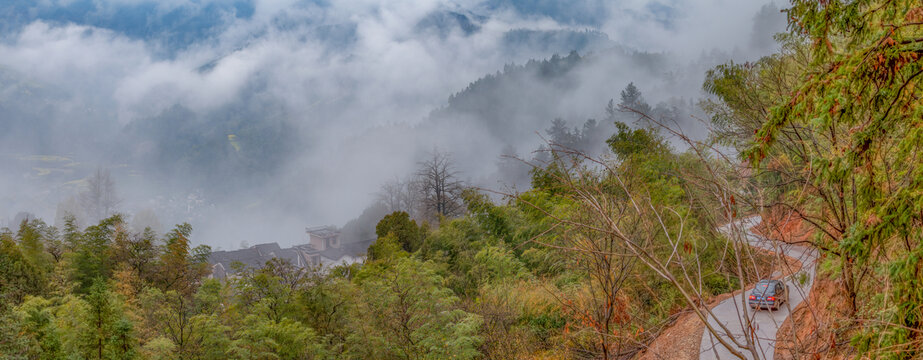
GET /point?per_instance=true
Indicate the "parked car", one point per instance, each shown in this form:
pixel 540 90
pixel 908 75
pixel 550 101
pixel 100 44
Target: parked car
pixel 770 294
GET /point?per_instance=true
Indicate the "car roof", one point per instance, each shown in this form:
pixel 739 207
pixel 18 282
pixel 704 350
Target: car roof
pixel 766 286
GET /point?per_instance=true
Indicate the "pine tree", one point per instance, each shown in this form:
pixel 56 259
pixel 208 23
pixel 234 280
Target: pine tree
pixel 109 334
pixel 93 252
pixel 631 99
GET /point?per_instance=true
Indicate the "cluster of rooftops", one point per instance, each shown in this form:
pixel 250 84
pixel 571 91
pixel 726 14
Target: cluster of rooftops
pixel 323 249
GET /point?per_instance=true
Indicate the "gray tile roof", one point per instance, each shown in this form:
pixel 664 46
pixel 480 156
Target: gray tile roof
pixel 267 249
pixel 300 255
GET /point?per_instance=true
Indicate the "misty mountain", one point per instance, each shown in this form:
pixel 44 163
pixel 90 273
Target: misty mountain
pixel 444 23
pixel 524 99
pixel 237 145
pixel 38 117
pixel 539 43
pixel 244 142
pixel 297 111
pixel 23 102
pixel 513 100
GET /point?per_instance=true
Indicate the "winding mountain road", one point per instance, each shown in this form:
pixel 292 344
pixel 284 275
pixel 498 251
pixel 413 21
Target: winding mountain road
pixel 733 311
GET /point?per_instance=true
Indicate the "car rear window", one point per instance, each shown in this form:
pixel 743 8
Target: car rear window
pixel 764 288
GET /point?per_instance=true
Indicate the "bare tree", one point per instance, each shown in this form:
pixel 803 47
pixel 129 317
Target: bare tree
pixel 439 186
pixel 99 200
pixel 602 305
pixel 390 194
pixel 402 195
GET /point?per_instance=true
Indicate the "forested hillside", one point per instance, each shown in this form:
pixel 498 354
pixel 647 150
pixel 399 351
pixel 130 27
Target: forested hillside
pixel 492 283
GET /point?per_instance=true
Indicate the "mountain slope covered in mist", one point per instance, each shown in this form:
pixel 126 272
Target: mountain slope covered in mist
pixel 526 98
pixel 228 148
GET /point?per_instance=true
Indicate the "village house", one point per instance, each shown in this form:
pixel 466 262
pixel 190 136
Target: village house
pixel 324 248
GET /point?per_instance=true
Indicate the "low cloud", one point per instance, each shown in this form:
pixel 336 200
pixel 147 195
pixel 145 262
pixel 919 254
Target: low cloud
pixel 353 82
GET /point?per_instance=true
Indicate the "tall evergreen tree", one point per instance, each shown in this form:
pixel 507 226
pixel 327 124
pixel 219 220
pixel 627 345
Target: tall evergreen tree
pixel 93 252
pixel 109 334
pixel 631 99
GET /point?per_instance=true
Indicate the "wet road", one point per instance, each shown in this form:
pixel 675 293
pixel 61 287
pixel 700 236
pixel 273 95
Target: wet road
pixel 733 312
